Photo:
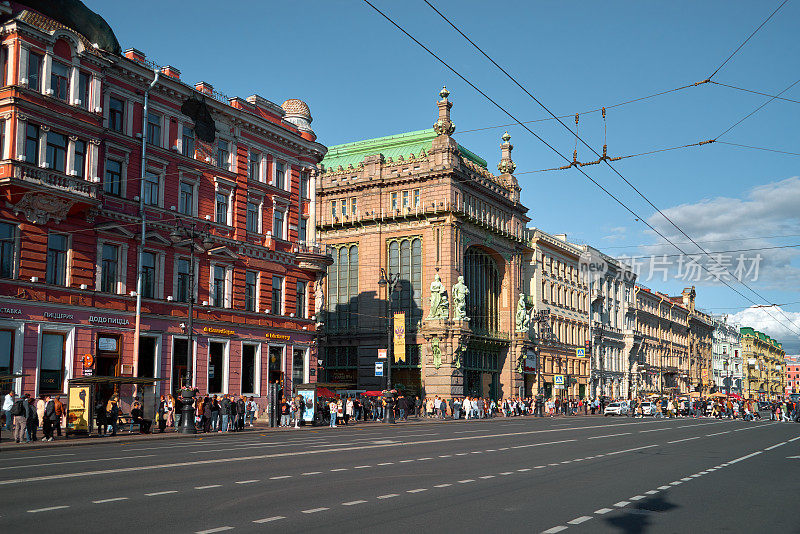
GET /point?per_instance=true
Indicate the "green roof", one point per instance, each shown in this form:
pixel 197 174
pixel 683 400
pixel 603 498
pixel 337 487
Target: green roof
pixel 392 146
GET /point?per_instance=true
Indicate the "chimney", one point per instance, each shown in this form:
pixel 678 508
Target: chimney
pixel 204 87
pixel 135 55
pixel 172 72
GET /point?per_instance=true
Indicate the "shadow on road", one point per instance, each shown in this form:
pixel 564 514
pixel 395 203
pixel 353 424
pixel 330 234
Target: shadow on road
pixel 638 518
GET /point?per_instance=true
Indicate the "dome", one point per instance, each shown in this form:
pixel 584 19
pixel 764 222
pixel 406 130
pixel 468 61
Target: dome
pixel 297 108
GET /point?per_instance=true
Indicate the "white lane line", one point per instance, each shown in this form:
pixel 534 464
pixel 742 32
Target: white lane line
pixel 654 430
pixel 76 462
pixel 418 490
pixel 676 483
pixel 718 433
pixel 567 462
pixel 637 497
pixel 388 496
pixel 579 520
pixel 314 510
pixel 651 492
pixel 466 480
pixel 339 469
pixel 213 530
pixel 405 461
pixel 684 439
pixel 540 467
pixel 311 473
pixel 484 477
pixel 462 453
pixel 37 456
pixel 695 475
pixel 269 519
pixel 445 456
pixel 248 481
pixel 280 477
pixel 686 479
pixel 113 499
pixel 610 435
pixel 792 457
pixel 48 509
pixel 630 450
pixel 622 504
pixel 743 458
pixel 387 463
pixel 477 452
pixel 776 445
pixel 423 459
pixel 506 473
pixel 523 470
pixel 503 449
pixel 554 529
pixel 351 503
pixel 540 444
pixel 157 493
pixel 551 465
pixel 491 450
pixel 442 485
pixel 793 439
pixel 208 487
pixel 603 511
pixel 362 466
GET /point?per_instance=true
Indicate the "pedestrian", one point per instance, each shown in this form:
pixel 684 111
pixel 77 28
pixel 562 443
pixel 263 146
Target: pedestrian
pixel 240 413
pixel 333 407
pixel 224 411
pixel 50 418
pixel 250 411
pixel 8 403
pixel 31 418
pixel 19 412
pixel 215 419
pixel 112 411
pixel 101 418
pixel 207 406
pixel 161 414
pixel 60 412
pixel 348 410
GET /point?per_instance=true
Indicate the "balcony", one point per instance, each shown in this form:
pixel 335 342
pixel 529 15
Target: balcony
pixel 313 257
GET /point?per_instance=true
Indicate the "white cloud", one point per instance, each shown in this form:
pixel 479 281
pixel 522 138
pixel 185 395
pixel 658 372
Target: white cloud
pixel 773 323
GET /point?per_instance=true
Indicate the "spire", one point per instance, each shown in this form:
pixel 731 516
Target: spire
pixel 444 126
pixel 506 165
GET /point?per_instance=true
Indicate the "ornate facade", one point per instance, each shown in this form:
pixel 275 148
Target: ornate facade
pixel 701 328
pixel 764 365
pixel 726 356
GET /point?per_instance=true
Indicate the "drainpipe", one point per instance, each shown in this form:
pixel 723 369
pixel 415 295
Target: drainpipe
pixel 139 271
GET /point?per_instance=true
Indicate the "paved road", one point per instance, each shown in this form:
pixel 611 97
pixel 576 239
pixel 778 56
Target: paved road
pixel 578 474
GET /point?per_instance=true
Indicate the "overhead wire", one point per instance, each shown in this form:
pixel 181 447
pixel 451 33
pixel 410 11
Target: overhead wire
pixel 777 97
pixel 759 108
pixel 510 115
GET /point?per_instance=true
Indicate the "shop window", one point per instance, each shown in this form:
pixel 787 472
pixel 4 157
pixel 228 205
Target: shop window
pixel 180 363
pixel 249 369
pixel 146 365
pixel 216 366
pixel 298 366
pixel 51 366
pixel 275 361
pixel 6 352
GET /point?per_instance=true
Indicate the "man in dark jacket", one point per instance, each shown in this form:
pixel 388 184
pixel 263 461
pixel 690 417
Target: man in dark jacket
pixel 240 410
pixel 49 419
pixel 31 418
pixel 402 407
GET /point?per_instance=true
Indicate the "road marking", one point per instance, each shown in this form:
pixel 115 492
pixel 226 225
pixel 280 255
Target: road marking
pixel 36 456
pixel 687 479
pixel 676 483
pixel 405 461
pixel 442 485
pixel 212 530
pixel 503 449
pixel 208 487
pixel 792 457
pixel 776 445
pixel 651 492
pixel 280 477
pixel 157 493
pixel 551 465
pixel 486 476
pixel 718 433
pixel 311 473
pixel 684 439
pixel 523 470
pixel 579 520
pixel 389 496
pixel 351 503
pixel 491 450
pixel 423 459
pixel 466 480
pixel 387 463
pixel 247 481
pixel 269 519
pixel 462 454
pixel 507 473
pixel 554 530
pixel 602 511
pixel 540 467
pixel 362 466
pixel 793 439
pixel 695 475
pixel 314 510
pixel 610 435
pixel 48 509
pixel 654 430
pixel 418 490
pixel 113 499
pixel 637 497
pixel 339 469
pixel 76 462
pixel 445 456
pixel 477 452
pixel 567 462
pixel 743 458
pixel 622 504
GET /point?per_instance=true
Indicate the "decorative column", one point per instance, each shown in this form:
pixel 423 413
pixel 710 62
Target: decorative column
pixel 312 206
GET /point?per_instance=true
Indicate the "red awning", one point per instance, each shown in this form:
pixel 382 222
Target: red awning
pixel 373 393
pixel 735 396
pixel 325 393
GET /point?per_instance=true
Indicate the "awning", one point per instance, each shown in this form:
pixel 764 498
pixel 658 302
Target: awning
pixel 4 377
pixel 117 380
pixel 372 393
pixel 325 393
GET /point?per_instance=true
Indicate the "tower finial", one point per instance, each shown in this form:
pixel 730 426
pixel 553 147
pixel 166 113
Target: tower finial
pixel 444 126
pixel 506 165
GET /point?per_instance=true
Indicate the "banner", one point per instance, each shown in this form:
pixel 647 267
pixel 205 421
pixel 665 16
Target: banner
pixel 78 404
pixel 399 334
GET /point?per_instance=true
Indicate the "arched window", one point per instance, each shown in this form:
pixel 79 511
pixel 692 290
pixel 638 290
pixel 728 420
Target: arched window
pixel 405 258
pixel 483 278
pixel 343 287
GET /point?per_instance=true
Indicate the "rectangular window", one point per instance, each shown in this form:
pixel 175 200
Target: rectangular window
pixel 253 218
pixel 51 367
pixel 353 206
pixel 147 357
pixel 298 366
pixel 113 182
pixel 300 300
pixel 116 114
pixel 218 286
pixel 249 369
pixel 277 223
pixel 57 259
pixel 151 188
pixel 394 200
pixel 57 151
pixel 416 198
pixel 187 142
pixel 154 128
pixel 80 159
pixel 277 295
pixel 148 275
pixel 7 250
pixel 223 154
pixel 59 80
pixel 405 199
pixel 279 175
pixel 216 362
pixel 35 71
pixel 255 165
pixel 343 207
pixel 251 291
pixel 333 209
pixel 6 351
pixel 304 181
pixel 221 208
pixel 186 199
pixel 84 83
pixel 183 280
pixel 32 144
pixel 302 230
pixel 108 268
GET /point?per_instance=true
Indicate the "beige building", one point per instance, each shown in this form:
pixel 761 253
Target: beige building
pixel 764 362
pixel 701 339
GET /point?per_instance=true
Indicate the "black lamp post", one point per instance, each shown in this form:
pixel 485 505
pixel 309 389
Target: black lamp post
pixel 389 281
pixel 191 233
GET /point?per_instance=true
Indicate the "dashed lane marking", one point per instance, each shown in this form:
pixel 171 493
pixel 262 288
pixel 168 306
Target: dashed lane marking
pixel 445 456
pixel 48 509
pixel 466 480
pixel 718 433
pixel 113 499
pixel 157 493
pixel 311 473
pixel 340 469
pixel 213 530
pixel 554 529
pixel 353 503
pixel 314 510
pixel 484 477
pixel 418 490
pixel 776 445
pixel 622 504
pixel 388 496
pixel 610 435
pixel 269 519
pixel 208 487
pixel 362 466
pixel 663 487
pixel 651 492
pixel 579 520
pixel 279 477
pixel 507 473
pixel 603 511
pixel 248 481
pixel 442 485
pixel 637 497
pixel 524 469
pixel 684 439
pixel 387 463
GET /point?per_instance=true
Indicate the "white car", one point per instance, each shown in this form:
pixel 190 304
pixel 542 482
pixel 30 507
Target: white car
pixel 616 408
pixel 648 408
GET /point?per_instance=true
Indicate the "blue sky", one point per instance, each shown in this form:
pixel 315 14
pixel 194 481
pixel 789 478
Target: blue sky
pixel 362 79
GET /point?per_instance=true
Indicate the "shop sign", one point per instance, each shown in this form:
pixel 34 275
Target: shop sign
pixel 382 354
pixel 221 331
pixel 100 319
pixel 107 343
pixel 54 315
pixel 11 311
pixel 530 362
pixel 273 335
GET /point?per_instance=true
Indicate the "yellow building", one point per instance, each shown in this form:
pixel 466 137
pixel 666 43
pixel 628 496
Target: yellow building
pixel 763 365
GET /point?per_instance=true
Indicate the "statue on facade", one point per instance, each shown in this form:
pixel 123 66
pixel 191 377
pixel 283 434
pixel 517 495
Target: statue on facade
pixel 439 304
pixel 460 292
pixel 319 299
pixel 522 317
pixel 436 352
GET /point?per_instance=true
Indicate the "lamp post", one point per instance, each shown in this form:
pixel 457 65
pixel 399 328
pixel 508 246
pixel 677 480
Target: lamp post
pixel 190 233
pixel 389 281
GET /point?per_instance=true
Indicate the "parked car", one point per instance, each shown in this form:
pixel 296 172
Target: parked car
pixel 648 408
pixel 616 408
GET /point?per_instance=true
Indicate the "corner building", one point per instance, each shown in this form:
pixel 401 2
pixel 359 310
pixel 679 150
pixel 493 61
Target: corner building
pixel 419 204
pixel 240 172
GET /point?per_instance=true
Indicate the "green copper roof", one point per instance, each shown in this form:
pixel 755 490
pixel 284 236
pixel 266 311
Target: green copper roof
pixel 391 146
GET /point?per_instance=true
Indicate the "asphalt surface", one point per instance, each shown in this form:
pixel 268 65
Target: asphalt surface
pixel 581 474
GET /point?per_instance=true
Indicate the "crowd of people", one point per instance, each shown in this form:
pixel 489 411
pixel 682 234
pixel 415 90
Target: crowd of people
pixel 24 416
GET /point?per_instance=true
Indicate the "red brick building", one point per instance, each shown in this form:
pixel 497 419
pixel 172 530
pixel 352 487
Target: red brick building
pixel 72 130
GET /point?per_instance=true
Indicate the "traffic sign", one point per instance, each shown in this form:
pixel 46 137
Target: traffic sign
pixel 558 380
pixel 378 368
pixel 580 352
pixel 382 354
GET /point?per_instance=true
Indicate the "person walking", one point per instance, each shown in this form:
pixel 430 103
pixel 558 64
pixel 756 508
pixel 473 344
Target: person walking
pixel 348 410
pixel 113 414
pixel 60 412
pixel 101 418
pixel 31 418
pixel 333 407
pixel 8 403
pixel 250 412
pixel 19 413
pixel 50 418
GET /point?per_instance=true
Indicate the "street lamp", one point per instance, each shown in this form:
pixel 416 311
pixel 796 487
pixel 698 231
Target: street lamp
pixel 389 281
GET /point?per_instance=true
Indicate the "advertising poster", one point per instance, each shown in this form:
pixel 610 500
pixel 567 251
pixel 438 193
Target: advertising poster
pixel 308 401
pixel 78 403
pixel 399 335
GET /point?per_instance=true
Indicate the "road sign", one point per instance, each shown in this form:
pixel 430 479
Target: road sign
pixel 558 380
pixel 382 354
pixel 580 352
pixel 378 368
